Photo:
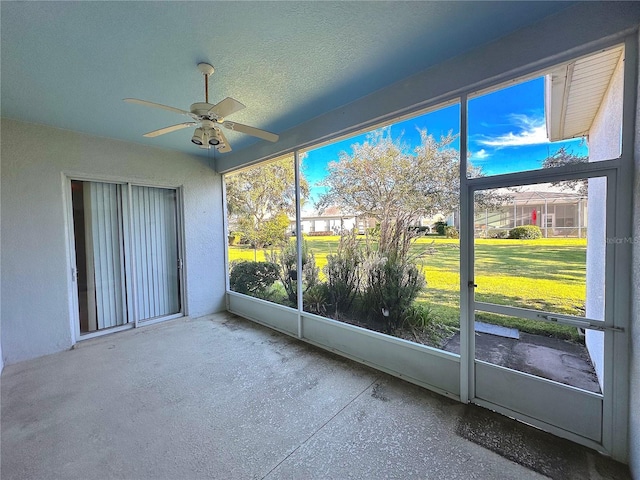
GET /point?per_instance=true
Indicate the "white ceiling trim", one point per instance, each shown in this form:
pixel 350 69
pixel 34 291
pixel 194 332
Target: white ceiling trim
pixel 574 93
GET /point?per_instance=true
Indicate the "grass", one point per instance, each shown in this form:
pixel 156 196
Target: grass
pixel 544 274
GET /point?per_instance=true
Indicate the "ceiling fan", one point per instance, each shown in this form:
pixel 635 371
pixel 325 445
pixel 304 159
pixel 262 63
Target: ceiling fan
pixel 208 118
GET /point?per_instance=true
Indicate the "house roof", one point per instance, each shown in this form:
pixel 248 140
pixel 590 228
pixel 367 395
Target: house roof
pixel 70 64
pixel 536 198
pixel 574 93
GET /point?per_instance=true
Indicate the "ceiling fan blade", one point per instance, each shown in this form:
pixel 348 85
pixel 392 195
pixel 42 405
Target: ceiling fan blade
pixel 225 143
pixel 226 107
pixel 156 105
pixel 170 129
pixel 255 132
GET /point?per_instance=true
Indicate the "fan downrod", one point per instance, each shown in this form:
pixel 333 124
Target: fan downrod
pixel 206 70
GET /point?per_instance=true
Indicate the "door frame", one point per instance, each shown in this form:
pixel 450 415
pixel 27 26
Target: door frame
pixel 614 397
pixel 133 322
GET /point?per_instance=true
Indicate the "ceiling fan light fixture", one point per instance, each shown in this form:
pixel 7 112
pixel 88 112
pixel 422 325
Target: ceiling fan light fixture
pixel 208 118
pixel 198 137
pixel 214 138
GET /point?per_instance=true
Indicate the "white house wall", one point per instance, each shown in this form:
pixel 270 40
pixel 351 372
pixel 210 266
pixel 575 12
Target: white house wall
pixel 36 279
pixel 604 144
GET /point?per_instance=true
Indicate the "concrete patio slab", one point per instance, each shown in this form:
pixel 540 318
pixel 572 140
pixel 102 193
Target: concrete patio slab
pixel 221 397
pixel 547 357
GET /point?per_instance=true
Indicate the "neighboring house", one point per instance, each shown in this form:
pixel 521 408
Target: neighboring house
pixel 331 221
pixel 557 212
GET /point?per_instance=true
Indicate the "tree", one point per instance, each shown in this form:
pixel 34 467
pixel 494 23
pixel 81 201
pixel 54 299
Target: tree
pixel 380 179
pixel 259 197
pixel 383 179
pixel 562 158
pixel 268 232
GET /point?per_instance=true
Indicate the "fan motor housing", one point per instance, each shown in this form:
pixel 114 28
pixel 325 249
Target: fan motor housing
pixel 201 109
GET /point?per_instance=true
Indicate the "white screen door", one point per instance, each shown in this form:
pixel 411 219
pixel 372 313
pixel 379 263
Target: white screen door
pixel 542 329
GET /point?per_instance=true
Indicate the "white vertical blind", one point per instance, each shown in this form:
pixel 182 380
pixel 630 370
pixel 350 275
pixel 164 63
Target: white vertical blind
pixel 106 246
pixel 155 249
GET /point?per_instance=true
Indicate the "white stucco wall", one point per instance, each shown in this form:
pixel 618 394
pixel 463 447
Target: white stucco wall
pixel 36 281
pixel 604 144
pixel 634 381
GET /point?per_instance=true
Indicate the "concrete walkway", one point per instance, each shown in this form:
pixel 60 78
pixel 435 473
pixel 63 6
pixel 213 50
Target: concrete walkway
pixel 552 358
pixel 220 397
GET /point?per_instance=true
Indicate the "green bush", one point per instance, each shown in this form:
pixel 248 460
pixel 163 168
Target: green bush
pixel 451 232
pixel 374 231
pixel 287 260
pixel 315 299
pixel 420 317
pixel 343 272
pixel 497 233
pixel 425 320
pixel 391 286
pixel 235 238
pixel 440 227
pixel 526 232
pixel 253 278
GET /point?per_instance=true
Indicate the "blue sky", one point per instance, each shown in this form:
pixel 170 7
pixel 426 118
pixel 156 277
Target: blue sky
pixel 507 133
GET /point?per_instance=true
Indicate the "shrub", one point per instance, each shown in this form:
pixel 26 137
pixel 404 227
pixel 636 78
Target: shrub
pixel 235 238
pixel 391 286
pixel 287 260
pixel 440 227
pixel 419 317
pixel 420 230
pixel 315 299
pixel 497 233
pixel 526 232
pixel 451 232
pixel 253 278
pixel 420 320
pixel 374 231
pixel 343 272
pixel 424 320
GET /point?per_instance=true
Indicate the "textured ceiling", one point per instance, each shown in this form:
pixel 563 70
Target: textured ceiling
pixel 70 64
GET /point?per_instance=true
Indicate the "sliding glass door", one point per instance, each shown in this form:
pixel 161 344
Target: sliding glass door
pixel 128 261
pixel 155 249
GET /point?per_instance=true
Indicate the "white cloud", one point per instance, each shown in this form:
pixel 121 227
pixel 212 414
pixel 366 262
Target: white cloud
pixel 532 131
pixel 480 154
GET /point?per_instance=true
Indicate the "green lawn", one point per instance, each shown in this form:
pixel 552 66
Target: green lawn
pixel 544 274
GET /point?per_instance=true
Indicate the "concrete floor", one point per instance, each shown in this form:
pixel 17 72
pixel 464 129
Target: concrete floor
pixel 547 357
pixel 220 397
